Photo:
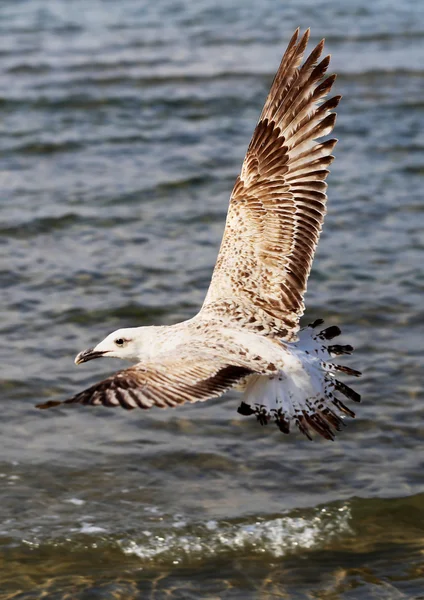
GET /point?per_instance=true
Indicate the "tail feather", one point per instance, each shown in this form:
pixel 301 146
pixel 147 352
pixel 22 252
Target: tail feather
pixel 329 333
pixel 304 391
pixel 283 423
pixel 302 424
pixel 319 424
pixel 347 391
pixel 337 349
pixel 348 370
pixel 343 408
pixel 334 420
pixel 331 368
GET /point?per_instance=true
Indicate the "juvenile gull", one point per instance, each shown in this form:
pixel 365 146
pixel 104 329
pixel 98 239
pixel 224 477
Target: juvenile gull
pixel 246 335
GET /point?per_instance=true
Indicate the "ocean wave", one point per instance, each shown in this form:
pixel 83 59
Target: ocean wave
pixel 274 536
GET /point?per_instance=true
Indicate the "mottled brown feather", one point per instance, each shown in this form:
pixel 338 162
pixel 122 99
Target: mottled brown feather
pixel 173 380
pixel 278 203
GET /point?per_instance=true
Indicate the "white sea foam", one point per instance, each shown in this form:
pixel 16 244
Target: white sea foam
pixel 75 501
pixel 90 528
pixel 276 536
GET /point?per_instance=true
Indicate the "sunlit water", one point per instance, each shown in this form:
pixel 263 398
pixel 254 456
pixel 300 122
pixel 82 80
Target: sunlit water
pixel 123 126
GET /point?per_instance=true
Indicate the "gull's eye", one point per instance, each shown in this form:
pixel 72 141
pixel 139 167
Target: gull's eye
pixel 120 342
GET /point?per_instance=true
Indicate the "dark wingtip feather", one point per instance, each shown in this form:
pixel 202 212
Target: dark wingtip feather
pixel 334 419
pixel 343 408
pixel 347 391
pixel 319 425
pixel 305 37
pixel 294 37
pixel 330 332
pixel 282 424
pixel 332 103
pixel 338 349
pixel 348 370
pixel 302 424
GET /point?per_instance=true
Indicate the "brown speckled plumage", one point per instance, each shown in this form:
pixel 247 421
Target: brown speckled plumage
pixel 278 203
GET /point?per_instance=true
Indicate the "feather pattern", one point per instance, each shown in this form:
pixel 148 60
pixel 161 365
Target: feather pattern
pixel 175 379
pixel 278 203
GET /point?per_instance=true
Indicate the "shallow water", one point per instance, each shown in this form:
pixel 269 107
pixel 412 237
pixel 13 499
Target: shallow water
pixel 123 128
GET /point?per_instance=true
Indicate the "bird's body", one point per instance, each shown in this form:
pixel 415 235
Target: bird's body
pixel 246 335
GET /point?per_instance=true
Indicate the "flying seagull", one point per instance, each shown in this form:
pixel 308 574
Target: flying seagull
pixel 246 335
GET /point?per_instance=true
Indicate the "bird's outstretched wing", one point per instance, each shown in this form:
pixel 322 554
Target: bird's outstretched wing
pixel 174 379
pixel 277 206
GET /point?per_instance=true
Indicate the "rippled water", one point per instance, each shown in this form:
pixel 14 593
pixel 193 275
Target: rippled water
pixel 123 126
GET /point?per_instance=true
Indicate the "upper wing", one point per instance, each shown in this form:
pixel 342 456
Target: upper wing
pixel 176 378
pixel 277 206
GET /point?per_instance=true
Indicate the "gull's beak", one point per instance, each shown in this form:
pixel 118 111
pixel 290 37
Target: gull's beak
pixel 86 355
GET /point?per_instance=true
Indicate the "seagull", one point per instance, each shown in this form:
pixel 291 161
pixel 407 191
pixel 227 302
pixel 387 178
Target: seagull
pixel 246 335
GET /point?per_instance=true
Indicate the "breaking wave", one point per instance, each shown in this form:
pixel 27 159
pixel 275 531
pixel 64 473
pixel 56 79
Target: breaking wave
pixel 274 536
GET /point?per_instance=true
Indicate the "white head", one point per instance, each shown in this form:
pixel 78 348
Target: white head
pixel 122 343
